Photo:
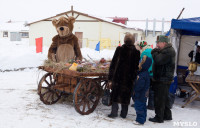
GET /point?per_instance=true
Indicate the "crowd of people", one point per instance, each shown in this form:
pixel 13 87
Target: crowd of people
pixel 140 72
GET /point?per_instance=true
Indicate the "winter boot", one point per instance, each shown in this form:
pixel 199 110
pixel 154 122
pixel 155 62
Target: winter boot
pixel 156 120
pixel 114 111
pixel 124 111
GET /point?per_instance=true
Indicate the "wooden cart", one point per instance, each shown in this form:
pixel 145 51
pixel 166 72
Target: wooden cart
pixel 86 88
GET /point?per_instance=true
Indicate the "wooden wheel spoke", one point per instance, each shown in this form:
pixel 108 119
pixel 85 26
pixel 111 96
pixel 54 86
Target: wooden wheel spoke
pixel 89 86
pixel 84 105
pixel 80 103
pixel 80 97
pixel 104 84
pixel 50 78
pixel 92 101
pixel 47 83
pixel 84 87
pixel 93 88
pixel 88 104
pixel 45 88
pixel 56 96
pixel 45 93
pixel 50 95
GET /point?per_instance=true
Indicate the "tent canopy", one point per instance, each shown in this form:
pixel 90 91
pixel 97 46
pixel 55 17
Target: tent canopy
pixel 190 26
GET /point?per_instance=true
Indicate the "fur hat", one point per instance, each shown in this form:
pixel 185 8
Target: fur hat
pixel 129 38
pixel 162 38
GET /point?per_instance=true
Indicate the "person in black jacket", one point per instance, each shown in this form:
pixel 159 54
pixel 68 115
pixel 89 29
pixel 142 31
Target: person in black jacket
pixel 197 56
pixel 122 73
pixel 163 75
pixel 140 90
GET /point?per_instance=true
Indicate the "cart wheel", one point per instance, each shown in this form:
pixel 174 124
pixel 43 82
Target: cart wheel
pixel 48 95
pixel 86 96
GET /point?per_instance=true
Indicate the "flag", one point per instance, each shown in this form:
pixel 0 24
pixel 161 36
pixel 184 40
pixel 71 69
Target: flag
pixel 38 43
pixel 98 46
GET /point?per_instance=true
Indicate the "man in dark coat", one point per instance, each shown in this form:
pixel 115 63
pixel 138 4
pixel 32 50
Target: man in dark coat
pixel 163 74
pixel 122 73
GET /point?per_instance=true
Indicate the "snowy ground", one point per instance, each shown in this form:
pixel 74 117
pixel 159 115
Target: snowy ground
pixel 20 106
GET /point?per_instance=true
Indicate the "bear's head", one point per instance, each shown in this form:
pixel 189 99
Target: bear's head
pixel 64 26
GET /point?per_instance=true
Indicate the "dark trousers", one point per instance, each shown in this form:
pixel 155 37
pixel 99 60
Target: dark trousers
pixel 151 96
pixel 124 109
pixel 141 111
pixel 162 101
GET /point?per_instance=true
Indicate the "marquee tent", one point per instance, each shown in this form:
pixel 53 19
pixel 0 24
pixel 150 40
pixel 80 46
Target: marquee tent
pixel 183 35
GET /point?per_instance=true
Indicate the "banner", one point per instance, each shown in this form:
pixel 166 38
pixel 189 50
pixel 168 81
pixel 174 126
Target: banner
pixel 38 43
pixel 98 46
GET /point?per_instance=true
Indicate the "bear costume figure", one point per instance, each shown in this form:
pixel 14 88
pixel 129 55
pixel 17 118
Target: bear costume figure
pixel 65 45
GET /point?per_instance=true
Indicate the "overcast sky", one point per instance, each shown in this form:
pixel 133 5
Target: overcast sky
pixel 31 10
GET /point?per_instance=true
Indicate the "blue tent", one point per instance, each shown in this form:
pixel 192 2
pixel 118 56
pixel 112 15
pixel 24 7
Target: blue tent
pixel 190 26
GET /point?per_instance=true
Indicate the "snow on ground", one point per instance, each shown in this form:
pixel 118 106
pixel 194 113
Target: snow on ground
pixel 20 106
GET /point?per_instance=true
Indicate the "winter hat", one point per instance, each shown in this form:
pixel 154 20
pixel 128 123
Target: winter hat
pixel 142 44
pixel 162 38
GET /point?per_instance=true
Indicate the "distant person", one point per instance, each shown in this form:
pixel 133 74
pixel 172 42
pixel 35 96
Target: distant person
pixel 122 74
pixel 197 56
pixel 140 90
pixel 119 44
pixel 163 75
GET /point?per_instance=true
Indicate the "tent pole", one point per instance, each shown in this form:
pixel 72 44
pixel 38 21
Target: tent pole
pixel 180 14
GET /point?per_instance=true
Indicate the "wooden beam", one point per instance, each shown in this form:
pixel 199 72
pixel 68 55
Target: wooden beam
pixel 87 21
pixel 79 20
pixel 66 14
pixel 46 20
pixel 77 16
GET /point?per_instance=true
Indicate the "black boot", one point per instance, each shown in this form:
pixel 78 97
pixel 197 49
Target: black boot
pixel 114 111
pixel 168 118
pixel 124 111
pixel 156 120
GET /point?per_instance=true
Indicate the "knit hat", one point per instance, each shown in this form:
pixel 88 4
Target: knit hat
pixel 142 44
pixel 162 38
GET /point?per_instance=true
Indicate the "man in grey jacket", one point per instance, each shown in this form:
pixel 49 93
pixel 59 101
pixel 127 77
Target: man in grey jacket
pixel 163 74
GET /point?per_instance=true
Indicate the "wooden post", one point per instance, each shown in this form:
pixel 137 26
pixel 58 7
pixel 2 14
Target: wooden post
pixel 180 13
pixel 72 10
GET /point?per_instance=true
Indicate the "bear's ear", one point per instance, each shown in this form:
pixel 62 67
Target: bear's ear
pixel 55 22
pixel 71 19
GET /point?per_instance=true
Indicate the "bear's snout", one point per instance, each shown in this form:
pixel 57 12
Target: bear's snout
pixel 61 28
pixel 63 31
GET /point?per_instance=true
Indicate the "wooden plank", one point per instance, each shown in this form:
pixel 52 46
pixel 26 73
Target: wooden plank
pixel 193 79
